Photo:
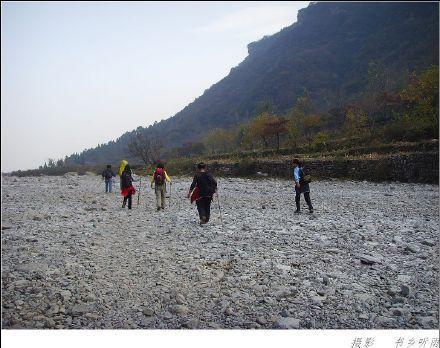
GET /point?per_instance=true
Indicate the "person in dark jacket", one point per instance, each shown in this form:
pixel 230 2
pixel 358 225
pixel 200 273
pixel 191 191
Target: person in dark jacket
pixel 301 186
pixel 108 175
pixel 127 189
pixel 202 189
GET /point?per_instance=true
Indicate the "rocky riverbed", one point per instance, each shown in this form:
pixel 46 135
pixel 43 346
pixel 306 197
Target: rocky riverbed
pixel 73 258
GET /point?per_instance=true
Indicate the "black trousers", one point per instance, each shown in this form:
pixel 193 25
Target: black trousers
pixel 204 207
pixel 298 197
pixel 127 198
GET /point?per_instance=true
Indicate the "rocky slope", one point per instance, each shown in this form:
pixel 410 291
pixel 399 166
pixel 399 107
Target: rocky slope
pixel 73 258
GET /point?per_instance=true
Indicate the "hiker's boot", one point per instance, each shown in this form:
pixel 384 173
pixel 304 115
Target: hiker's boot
pixel 123 205
pixel 297 211
pixel 158 208
pixel 311 210
pixel 202 220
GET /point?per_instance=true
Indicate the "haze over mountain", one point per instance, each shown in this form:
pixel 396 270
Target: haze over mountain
pixel 326 52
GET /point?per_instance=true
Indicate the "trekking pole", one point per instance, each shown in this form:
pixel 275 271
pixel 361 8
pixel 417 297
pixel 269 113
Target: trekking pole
pixel 146 195
pixel 171 185
pixel 140 186
pixel 220 210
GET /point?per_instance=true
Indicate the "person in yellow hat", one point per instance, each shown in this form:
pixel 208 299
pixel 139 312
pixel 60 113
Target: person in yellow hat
pixel 127 188
pixel 122 167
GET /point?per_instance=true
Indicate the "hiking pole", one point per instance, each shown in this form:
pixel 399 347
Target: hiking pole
pixel 146 195
pixel 140 186
pixel 171 185
pixel 220 210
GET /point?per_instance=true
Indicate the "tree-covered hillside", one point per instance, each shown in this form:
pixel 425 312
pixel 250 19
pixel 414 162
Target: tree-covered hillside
pixel 333 54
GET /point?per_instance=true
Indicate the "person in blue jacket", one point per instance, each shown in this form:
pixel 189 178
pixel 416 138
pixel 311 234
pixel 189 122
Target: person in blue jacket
pixel 301 186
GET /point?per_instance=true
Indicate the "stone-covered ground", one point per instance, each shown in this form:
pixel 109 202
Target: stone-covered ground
pixel 73 258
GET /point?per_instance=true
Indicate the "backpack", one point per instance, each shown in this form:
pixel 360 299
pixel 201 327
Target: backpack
pixel 125 179
pixel 305 177
pixel 211 185
pixel 108 174
pixel 159 176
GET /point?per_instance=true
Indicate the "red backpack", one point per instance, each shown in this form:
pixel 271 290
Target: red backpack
pixel 159 176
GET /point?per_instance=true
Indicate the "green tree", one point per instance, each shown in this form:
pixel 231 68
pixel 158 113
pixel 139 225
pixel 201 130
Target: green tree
pixel 310 125
pixel 293 132
pixel 321 140
pixel 265 106
pixel 421 98
pixel 303 105
pixel 51 163
pixel 301 122
pixel 355 123
pixel 218 140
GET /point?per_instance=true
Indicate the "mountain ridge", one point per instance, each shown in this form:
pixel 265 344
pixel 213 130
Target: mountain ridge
pixel 326 52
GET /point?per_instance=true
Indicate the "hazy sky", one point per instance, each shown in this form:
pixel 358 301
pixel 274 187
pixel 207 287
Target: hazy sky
pixel 75 75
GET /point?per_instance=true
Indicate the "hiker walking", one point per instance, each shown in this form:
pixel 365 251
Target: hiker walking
pixel 127 189
pixel 107 175
pixel 301 186
pixel 158 179
pixel 201 191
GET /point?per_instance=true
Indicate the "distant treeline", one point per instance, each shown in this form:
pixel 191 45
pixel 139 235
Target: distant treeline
pixel 61 170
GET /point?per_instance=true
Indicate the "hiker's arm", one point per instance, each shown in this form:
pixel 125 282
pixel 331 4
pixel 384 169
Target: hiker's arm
pixel 193 185
pixel 214 184
pixel 167 178
pixel 152 180
pixel 296 176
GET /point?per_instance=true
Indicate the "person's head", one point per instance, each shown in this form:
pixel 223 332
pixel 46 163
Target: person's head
pixel 296 162
pixel 201 167
pixel 160 165
pixel 109 166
